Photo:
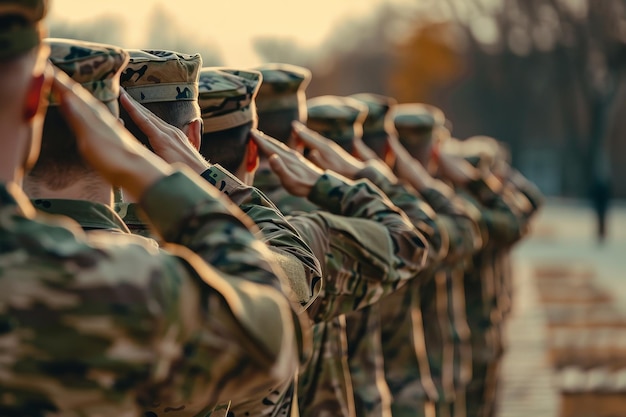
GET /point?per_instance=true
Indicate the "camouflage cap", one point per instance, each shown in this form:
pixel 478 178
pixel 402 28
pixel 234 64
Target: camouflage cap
pixel 23 32
pixel 95 66
pixel 378 108
pixel 417 116
pixel 338 118
pixel 226 97
pixel 160 76
pixel 415 122
pixel 283 87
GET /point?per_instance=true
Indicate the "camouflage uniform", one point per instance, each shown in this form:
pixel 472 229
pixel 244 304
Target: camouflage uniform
pixel 424 333
pixel 226 100
pixel 365 260
pixel 156 311
pixel 125 339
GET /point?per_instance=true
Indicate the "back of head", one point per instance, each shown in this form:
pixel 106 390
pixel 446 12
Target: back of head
pixel 21 59
pixel 97 68
pixel 281 98
pixel 227 104
pixel 340 119
pixel 166 83
pixel 377 126
pixel 415 124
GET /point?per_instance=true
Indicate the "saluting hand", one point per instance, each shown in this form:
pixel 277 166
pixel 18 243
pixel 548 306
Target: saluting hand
pixel 407 167
pixel 167 141
pixel 327 154
pixel 296 173
pixel 104 143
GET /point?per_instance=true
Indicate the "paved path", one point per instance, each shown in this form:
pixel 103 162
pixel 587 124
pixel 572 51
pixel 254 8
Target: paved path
pixel 563 235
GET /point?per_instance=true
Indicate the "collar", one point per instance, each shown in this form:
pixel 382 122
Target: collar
pixel 89 215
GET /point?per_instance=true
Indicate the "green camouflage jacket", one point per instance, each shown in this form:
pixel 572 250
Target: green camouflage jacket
pixel 302 272
pixel 422 349
pixel 101 324
pixel 370 250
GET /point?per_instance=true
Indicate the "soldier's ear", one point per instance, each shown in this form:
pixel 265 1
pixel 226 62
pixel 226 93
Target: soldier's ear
pixel 252 157
pixel 194 133
pixel 33 96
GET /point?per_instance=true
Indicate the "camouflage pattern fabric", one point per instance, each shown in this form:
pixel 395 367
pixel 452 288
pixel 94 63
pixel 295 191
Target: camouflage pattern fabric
pixel 364 261
pixel 432 373
pixel 161 76
pixel 88 214
pixel 288 248
pixel 226 97
pixel 125 339
pixel 283 87
pixel 18 38
pixel 96 67
pixel 340 119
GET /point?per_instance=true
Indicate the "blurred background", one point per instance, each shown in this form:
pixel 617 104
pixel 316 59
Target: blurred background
pixel 543 76
pixel 546 77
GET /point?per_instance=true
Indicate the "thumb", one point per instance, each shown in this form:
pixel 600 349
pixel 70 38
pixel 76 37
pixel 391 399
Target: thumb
pixel 278 166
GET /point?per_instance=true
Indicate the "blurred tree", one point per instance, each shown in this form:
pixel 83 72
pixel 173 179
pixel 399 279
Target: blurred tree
pixel 282 50
pixel 164 32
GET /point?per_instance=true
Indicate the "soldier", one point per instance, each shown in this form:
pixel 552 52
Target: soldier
pixel 228 116
pixel 376 126
pixel 87 338
pixel 61 182
pixel 451 235
pixel 166 83
pixel 500 226
pixel 280 101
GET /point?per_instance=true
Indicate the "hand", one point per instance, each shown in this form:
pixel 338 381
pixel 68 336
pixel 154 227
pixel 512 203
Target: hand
pixel 327 154
pixel 409 168
pixel 457 169
pixel 363 151
pixel 104 143
pixel 169 142
pixel 297 175
pixel 367 154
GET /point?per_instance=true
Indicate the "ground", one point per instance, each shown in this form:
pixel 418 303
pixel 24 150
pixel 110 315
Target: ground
pixel 563 236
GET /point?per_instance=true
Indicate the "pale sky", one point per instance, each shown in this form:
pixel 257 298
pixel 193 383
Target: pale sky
pixel 229 24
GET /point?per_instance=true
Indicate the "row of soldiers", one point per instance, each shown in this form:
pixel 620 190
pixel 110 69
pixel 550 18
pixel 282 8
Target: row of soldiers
pixel 187 241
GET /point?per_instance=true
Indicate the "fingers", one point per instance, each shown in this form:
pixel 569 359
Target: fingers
pixel 310 138
pixel 81 110
pixel 143 118
pixel 363 151
pixel 268 145
pixel 278 166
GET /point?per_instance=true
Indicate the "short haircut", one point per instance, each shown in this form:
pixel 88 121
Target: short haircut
pixel 277 123
pixel 175 113
pixel 226 147
pixel 60 164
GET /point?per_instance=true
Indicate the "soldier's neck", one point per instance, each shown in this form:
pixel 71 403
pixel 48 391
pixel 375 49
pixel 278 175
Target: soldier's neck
pixel 91 189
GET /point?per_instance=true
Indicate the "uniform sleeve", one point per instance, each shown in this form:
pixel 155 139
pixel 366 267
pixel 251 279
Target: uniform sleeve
pixel 135 324
pixel 500 223
pixel 452 232
pixel 291 252
pixel 189 213
pixel 369 247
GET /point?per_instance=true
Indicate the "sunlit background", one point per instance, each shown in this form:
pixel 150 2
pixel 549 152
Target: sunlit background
pixel 544 76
